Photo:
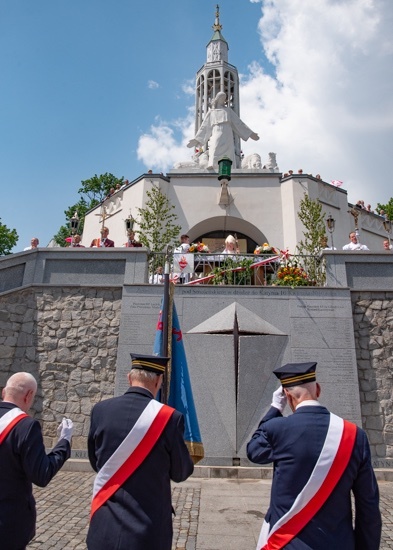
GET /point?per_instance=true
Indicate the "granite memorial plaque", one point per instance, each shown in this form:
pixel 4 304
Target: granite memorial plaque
pixel 336 372
pixel 258 357
pixel 138 322
pixel 312 324
pixel 322 331
pixel 212 374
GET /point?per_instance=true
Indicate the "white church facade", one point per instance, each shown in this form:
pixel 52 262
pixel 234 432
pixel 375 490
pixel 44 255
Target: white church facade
pixel 261 204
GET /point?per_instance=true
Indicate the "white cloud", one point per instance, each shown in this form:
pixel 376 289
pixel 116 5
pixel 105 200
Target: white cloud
pixel 153 85
pixel 188 87
pixel 165 143
pixel 329 107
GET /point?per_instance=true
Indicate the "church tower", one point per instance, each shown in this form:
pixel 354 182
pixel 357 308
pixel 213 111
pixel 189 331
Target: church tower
pixel 217 75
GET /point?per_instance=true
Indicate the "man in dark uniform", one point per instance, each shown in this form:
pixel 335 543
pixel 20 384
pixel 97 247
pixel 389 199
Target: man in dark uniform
pixel 23 461
pixel 131 505
pixel 319 459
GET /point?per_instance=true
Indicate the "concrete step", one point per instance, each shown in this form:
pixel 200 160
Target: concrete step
pixel 230 472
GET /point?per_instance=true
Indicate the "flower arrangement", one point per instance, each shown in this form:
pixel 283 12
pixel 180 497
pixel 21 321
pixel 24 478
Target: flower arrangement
pixel 265 248
pixel 199 247
pixel 290 274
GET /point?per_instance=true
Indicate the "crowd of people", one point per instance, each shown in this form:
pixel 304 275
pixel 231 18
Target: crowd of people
pixel 105 242
pixel 231 246
pixel 131 505
pixel 360 204
pixel 136 446
pixel 115 189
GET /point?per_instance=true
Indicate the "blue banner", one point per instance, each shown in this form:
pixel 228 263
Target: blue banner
pixel 180 391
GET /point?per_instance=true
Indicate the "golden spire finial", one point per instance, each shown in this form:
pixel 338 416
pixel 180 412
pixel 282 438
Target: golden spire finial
pixel 217 26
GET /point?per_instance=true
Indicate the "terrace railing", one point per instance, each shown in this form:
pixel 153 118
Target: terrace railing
pixel 240 269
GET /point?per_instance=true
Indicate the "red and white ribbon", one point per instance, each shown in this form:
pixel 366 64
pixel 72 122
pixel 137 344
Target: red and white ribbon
pixel 331 464
pixel 131 452
pixel 9 420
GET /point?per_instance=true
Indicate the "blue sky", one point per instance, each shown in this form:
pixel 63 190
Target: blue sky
pixel 84 83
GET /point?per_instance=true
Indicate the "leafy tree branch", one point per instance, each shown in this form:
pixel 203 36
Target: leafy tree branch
pixel 8 239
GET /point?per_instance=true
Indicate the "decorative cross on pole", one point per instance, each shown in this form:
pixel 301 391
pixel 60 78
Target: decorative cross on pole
pixel 103 215
pixel 355 213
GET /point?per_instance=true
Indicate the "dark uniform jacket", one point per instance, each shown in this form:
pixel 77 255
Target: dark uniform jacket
pixel 139 515
pixel 294 444
pixel 23 461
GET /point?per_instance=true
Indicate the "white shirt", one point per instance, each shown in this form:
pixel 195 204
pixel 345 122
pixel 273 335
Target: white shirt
pixel 308 403
pixel 156 279
pixel 183 248
pixel 355 246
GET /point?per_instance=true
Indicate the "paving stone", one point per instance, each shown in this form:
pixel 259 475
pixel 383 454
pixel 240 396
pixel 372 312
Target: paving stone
pixel 206 513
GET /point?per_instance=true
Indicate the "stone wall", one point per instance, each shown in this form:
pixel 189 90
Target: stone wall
pixel 67 338
pixel 373 327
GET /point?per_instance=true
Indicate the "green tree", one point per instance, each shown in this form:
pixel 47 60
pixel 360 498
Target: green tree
pixel 98 187
pixel 92 192
pixel 8 239
pixel 157 222
pixel 387 209
pixel 313 220
pixel 80 208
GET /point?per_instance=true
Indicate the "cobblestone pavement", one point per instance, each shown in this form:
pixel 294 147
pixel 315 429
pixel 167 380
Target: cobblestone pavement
pixel 211 514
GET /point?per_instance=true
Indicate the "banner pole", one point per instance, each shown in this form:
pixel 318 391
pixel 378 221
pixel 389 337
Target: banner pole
pixel 165 325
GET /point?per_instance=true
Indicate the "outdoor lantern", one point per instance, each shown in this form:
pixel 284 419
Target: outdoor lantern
pixel 387 224
pixel 330 222
pixel 224 169
pixel 74 223
pixel 129 223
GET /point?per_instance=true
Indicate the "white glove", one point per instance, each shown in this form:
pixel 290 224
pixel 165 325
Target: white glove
pixel 279 399
pixel 65 429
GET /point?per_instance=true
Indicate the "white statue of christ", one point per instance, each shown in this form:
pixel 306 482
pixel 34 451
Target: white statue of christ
pixel 218 126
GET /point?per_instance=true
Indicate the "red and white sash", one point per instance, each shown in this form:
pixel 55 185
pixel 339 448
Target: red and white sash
pixel 9 420
pixel 131 452
pixel 331 464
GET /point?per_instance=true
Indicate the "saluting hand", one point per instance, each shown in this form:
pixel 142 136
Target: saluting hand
pixel 279 399
pixel 65 429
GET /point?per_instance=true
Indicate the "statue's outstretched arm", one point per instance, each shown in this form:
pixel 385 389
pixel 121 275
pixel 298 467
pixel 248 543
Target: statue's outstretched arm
pixel 193 143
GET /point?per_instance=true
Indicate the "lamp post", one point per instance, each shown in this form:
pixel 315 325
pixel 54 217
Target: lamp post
pixel 129 223
pixel 331 223
pixel 387 224
pixel 74 226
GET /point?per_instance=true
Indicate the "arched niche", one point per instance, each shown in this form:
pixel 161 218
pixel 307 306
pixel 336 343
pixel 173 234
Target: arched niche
pixel 219 227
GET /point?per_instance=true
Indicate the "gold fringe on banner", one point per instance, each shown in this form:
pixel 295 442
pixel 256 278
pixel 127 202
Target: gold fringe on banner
pixel 196 451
